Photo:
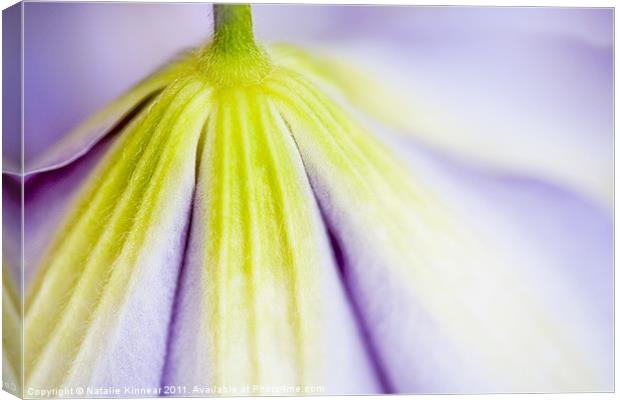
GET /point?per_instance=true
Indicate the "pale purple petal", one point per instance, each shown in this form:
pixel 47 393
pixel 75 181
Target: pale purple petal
pixel 48 198
pixel 523 90
pixel 11 228
pixel 559 243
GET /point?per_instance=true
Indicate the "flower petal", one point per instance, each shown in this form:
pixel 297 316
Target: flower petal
pixel 48 197
pixel 449 308
pixel 11 227
pixel 260 303
pixel 11 338
pixel 79 57
pixel 521 90
pixel 52 181
pixel 91 310
pixel 79 141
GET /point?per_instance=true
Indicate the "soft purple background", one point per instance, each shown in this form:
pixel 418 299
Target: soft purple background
pixel 80 56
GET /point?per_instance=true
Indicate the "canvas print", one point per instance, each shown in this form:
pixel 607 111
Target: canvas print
pixel 236 200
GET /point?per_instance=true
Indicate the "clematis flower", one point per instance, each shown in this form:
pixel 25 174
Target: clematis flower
pixel 247 216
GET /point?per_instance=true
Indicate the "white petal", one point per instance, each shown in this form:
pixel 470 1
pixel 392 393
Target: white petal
pixel 495 86
pixel 260 301
pixel 451 307
pixel 98 310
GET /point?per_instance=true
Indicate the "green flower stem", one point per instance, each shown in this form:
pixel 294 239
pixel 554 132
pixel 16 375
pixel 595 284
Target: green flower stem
pixel 233 58
pixel 232 26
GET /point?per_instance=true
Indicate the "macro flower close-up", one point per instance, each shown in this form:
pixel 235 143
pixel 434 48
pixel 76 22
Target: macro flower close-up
pixel 293 199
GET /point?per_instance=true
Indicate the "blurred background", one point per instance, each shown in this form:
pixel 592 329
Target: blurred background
pixel 526 89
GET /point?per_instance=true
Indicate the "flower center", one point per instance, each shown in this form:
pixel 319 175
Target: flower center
pixel 233 58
